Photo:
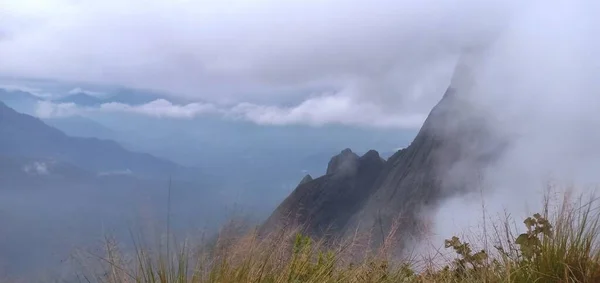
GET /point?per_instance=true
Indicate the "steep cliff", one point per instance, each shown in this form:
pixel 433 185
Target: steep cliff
pixel 444 160
pixel 324 205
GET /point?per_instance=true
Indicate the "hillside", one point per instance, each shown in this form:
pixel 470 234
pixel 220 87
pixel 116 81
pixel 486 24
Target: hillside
pixel 444 160
pixel 26 136
pixel 79 126
pixel 328 202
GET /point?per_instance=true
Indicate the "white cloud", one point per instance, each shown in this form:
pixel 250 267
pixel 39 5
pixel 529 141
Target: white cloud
pixel 381 51
pixel 317 111
pixel 161 108
pixel 332 109
pixel 158 108
pixel 10 87
pixel 34 91
pixel 47 109
pixel 88 92
pixel 38 168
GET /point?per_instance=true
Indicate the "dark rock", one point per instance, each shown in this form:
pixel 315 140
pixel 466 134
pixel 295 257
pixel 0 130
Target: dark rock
pixel 306 179
pixel 344 163
pixel 324 205
pixel 444 160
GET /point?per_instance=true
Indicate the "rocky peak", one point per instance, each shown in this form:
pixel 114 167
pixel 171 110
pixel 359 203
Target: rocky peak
pixel 306 179
pixel 344 163
pixel 371 157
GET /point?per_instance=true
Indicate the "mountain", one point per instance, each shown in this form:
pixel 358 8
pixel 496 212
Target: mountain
pixel 26 136
pixel 328 202
pixel 22 101
pixel 375 196
pixel 79 126
pixel 17 96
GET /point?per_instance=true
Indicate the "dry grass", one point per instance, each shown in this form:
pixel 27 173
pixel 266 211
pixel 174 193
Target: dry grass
pixel 558 246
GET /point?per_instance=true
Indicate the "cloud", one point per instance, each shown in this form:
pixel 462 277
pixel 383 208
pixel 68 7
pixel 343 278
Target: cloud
pixel 397 54
pixel 158 108
pixel 47 109
pixel 34 91
pixel 317 111
pixel 333 109
pixel 85 91
pixel 538 86
pixel 161 108
pixel 38 168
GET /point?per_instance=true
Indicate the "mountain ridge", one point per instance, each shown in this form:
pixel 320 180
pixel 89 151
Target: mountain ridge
pixel 444 160
pixel 324 201
pixel 27 136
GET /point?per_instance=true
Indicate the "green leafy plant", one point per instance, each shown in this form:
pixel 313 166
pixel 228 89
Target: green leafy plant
pixel 467 260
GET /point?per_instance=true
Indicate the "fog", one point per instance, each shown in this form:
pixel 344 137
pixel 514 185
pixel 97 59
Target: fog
pixel 50 229
pixel 538 82
pixel 295 61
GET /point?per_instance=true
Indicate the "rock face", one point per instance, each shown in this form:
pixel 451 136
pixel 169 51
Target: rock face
pixel 444 160
pixel 344 163
pixel 370 194
pixel 306 179
pixel 324 205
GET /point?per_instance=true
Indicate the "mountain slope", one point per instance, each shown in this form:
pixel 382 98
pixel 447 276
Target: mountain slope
pixel 11 96
pixel 326 203
pixel 79 126
pixel 444 160
pixel 24 135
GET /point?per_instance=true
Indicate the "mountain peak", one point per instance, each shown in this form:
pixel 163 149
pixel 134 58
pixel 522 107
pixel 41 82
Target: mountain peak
pixel 343 163
pixel 454 138
pixel 306 179
pixel 371 154
pixel 325 204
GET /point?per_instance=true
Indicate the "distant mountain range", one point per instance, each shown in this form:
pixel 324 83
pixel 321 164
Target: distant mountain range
pixel 87 98
pixel 125 96
pixel 79 126
pixel 258 164
pixel 27 136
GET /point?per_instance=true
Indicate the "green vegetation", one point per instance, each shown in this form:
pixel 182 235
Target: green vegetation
pixel 559 246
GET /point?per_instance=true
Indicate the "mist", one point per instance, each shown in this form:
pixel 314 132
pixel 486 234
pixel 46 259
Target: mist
pixel 310 62
pixel 538 84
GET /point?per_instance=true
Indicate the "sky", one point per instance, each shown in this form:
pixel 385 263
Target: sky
pixel 376 63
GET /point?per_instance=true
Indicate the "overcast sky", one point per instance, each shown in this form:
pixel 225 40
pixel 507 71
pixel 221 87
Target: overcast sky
pixel 375 62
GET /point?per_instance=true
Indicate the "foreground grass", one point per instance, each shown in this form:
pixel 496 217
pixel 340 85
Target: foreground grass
pixel 561 246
